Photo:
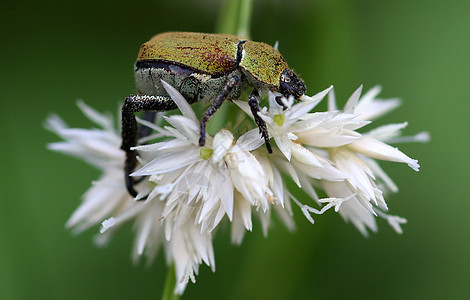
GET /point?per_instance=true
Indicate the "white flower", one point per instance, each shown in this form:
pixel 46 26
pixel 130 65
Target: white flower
pixel 294 127
pixel 283 125
pixel 189 175
pixel 109 202
pixel 187 191
pixel 199 186
pixel 366 181
pixel 100 148
pixel 326 146
pixel 188 248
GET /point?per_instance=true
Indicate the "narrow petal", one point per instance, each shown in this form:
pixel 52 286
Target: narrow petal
pixel 250 140
pixel 244 106
pixel 318 96
pixel 103 120
pixel 303 155
pixel 388 131
pixel 168 162
pixel 284 145
pixel 352 101
pixel 379 150
pixel 182 104
pixel 332 101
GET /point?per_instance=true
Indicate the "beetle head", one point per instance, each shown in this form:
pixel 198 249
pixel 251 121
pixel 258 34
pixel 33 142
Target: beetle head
pixel 291 85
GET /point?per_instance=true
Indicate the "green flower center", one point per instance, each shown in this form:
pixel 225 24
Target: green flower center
pixel 205 153
pixel 279 119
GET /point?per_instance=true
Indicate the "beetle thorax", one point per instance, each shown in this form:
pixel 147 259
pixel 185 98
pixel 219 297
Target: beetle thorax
pixel 262 65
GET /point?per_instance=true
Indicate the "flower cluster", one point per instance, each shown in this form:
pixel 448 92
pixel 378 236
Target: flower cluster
pixel 189 190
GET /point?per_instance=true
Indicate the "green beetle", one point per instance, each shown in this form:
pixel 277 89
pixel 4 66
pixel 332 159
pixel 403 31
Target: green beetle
pixel 202 67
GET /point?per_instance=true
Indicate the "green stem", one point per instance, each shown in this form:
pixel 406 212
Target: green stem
pixel 244 18
pixel 235 18
pixel 227 22
pixel 170 284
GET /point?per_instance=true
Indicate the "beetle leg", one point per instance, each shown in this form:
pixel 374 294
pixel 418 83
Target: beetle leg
pixel 233 80
pixel 144 131
pixel 148 116
pixel 253 101
pixel 279 101
pixel 129 132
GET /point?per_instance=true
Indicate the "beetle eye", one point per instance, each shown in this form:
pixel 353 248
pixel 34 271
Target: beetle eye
pixel 291 84
pixel 285 78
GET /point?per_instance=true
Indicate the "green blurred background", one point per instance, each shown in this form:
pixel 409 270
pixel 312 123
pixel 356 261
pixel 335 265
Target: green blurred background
pixel 55 52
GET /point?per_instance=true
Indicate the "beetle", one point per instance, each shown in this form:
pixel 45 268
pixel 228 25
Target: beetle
pixel 203 68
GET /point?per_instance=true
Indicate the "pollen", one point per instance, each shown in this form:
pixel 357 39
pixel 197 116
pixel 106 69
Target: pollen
pixel 205 153
pixel 279 119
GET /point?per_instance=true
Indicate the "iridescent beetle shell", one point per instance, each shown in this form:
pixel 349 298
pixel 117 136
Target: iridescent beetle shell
pixel 190 54
pixel 207 53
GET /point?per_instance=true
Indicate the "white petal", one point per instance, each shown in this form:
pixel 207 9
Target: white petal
pixel 187 127
pixel 182 104
pixel 285 217
pixel 299 110
pixel 265 218
pixel 291 171
pixel 380 174
pixel 244 106
pixel 351 210
pixel 387 131
pixel 303 155
pixel 379 150
pixel 326 172
pixel 326 139
pixel 278 186
pixel 274 107
pixel 104 120
pixel 166 145
pixel 284 144
pixel 225 190
pixel 370 108
pixel 250 140
pixel 358 173
pixel 317 97
pixel 55 124
pixel 332 101
pixel 352 101
pixel 221 144
pixel 377 108
pixel 241 219
pixel 370 96
pixel 169 161
pixel 421 137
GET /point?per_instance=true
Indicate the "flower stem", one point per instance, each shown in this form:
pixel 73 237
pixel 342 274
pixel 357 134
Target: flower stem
pixel 244 18
pixel 235 18
pixel 170 284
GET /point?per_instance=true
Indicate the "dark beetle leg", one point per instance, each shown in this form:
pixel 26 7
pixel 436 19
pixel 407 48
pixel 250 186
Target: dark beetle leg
pixel 233 80
pixel 253 101
pixel 144 131
pixel 279 101
pixel 129 134
pixel 148 116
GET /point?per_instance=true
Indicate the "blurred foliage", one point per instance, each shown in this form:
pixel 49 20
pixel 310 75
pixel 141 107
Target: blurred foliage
pixel 55 52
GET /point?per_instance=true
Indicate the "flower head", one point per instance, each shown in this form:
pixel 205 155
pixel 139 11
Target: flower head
pixel 100 148
pixel 186 190
pixel 366 181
